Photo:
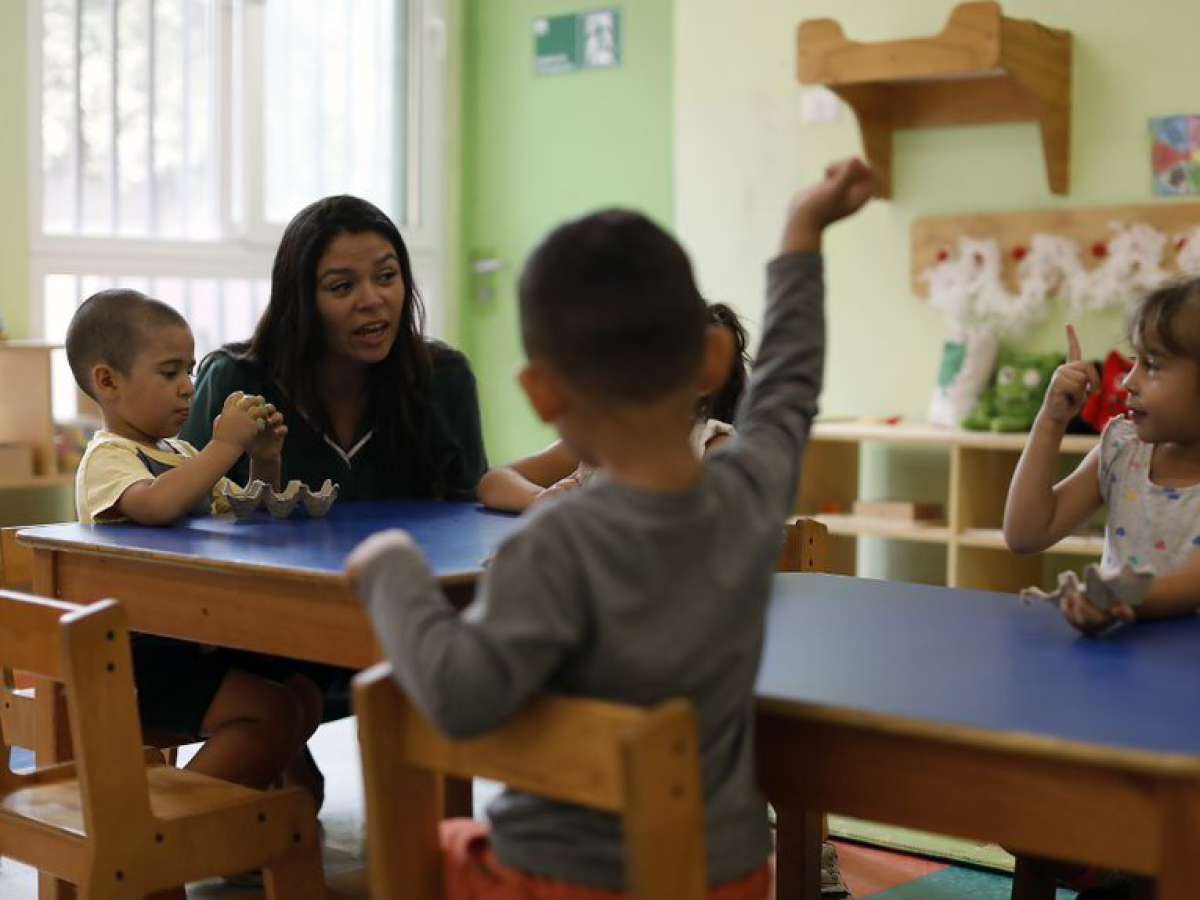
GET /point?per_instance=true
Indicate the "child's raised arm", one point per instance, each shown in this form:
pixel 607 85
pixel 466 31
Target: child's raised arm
pixel 1038 512
pixel 162 500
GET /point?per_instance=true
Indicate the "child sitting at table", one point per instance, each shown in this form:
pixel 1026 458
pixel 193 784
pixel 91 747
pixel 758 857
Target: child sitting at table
pixel 1146 469
pixel 134 356
pixel 555 470
pixel 654 582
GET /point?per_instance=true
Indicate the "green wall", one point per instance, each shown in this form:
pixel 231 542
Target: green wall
pixel 540 149
pixel 14 240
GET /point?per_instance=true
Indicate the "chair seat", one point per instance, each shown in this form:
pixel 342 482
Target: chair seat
pixel 174 794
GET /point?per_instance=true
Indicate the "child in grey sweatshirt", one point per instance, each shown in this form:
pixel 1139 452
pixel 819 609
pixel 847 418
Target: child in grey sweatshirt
pixel 652 582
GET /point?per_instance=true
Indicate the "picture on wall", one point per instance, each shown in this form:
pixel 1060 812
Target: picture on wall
pixel 1175 155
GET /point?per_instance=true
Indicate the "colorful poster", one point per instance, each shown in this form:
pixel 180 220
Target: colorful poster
pixel 569 43
pixel 1175 155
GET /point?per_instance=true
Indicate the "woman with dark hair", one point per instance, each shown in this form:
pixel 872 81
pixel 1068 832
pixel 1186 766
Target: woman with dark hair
pixel 369 401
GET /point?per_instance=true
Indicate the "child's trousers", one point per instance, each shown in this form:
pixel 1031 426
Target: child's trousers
pixel 472 872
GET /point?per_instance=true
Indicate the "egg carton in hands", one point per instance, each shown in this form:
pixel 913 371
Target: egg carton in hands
pixel 281 504
pixel 1129 586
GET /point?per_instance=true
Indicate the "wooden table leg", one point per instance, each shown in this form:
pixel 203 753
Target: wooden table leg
pixel 1179 869
pixel 52 733
pixel 52 739
pixel 797 854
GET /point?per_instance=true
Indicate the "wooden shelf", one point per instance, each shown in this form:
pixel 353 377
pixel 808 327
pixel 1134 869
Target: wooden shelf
pixel 983 68
pixel 933 436
pixel 1074 545
pixel 978 467
pixel 37 481
pixel 896 529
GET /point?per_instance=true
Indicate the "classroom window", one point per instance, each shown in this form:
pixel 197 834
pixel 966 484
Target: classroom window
pixel 171 140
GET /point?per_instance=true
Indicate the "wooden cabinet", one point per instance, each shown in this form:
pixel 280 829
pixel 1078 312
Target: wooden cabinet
pixel 26 420
pixel 980 466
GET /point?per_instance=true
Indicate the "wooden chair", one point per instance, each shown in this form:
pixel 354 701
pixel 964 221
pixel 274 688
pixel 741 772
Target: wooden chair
pixel 16 694
pixel 805 547
pixel 640 764
pixel 116 821
pixel 16 562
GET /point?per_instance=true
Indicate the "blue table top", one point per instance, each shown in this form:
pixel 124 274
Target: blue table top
pixel 455 537
pixel 980 660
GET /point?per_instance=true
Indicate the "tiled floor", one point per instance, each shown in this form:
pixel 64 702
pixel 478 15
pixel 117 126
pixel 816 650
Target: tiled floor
pixel 869 872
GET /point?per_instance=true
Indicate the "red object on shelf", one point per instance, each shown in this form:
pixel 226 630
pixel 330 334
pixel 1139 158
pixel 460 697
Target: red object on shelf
pixel 1099 249
pixel 893 420
pixel 942 256
pixel 1019 253
pixel 1108 402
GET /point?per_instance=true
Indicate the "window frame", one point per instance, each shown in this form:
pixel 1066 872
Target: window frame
pixel 248 248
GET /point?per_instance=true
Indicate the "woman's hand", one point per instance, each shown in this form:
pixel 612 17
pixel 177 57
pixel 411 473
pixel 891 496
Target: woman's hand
pixel 267 447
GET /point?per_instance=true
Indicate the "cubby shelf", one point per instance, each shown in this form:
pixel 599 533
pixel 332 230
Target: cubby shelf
pixel 980 467
pixel 897 529
pixel 37 481
pixel 1073 545
pixel 983 68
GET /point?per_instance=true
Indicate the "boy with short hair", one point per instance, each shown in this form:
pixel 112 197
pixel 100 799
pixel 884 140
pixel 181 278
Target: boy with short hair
pixel 652 582
pixel 134 356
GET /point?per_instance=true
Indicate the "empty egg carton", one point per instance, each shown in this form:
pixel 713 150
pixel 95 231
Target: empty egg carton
pixel 281 504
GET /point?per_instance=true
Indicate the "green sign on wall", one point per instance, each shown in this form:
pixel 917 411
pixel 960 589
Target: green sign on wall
pixel 590 40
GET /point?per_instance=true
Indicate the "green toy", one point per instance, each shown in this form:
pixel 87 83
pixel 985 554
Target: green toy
pixel 1011 402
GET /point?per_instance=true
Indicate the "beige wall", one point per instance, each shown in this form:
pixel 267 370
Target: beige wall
pixel 740 151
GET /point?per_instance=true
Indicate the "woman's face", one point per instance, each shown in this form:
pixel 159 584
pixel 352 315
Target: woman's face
pixel 360 296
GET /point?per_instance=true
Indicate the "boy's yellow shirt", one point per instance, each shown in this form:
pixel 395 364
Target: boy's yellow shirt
pixel 112 464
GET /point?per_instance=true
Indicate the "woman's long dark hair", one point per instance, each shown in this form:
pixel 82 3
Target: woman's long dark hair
pixel 289 339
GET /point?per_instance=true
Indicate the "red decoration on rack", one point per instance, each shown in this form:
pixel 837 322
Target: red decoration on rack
pixel 1019 253
pixel 942 256
pixel 1099 250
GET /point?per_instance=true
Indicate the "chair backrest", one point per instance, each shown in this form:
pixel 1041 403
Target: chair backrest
pixel 805 547
pixel 16 562
pixel 17 713
pixel 642 765
pixel 86 648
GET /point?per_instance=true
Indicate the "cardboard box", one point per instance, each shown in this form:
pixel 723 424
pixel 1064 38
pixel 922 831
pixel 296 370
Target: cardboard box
pixel 906 510
pixel 16 462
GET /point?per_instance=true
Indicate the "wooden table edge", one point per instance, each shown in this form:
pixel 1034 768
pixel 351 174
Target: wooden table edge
pixel 1140 762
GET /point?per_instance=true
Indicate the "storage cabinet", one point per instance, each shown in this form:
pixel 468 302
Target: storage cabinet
pixel 980 467
pixel 26 420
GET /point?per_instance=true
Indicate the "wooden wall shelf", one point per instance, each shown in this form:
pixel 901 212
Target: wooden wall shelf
pixel 984 68
pixel 1090 227
pixel 980 467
